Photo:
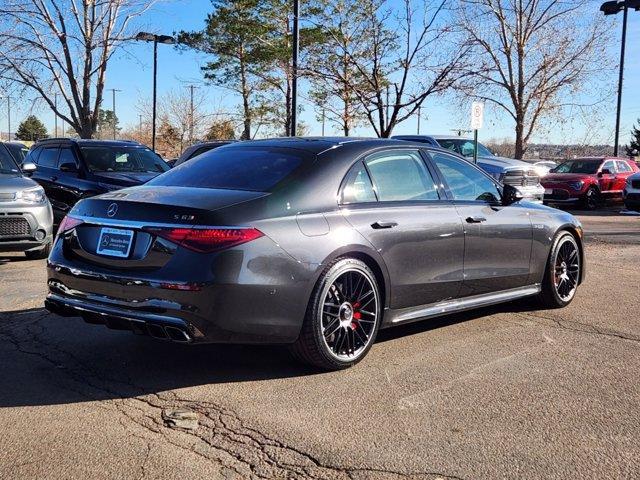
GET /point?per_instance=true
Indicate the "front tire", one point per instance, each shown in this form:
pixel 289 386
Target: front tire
pixel 562 274
pixel 343 317
pixel 591 199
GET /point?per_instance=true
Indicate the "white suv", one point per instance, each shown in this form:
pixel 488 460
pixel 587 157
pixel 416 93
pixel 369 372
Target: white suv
pixel 631 192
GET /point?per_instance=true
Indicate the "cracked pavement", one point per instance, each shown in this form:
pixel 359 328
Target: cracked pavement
pixel 507 392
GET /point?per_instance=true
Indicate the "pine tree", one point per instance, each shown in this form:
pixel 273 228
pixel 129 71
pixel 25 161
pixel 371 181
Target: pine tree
pixel 633 149
pixel 31 129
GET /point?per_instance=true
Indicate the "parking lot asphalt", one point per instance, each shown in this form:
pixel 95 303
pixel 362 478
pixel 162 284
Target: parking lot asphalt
pixel 503 392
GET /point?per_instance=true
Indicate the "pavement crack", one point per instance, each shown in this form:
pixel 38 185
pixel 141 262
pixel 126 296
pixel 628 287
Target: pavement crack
pixel 580 327
pixel 222 437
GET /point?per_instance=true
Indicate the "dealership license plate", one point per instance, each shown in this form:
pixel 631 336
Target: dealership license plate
pixel 115 242
pixel 548 191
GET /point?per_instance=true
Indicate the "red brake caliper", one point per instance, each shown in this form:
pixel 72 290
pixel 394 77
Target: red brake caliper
pixel 356 316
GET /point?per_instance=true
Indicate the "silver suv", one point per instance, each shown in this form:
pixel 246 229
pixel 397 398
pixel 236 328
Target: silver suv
pixel 26 217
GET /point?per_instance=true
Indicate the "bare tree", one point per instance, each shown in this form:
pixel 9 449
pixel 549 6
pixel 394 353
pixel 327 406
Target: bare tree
pixel 533 56
pixel 329 66
pixel 63 47
pixel 403 57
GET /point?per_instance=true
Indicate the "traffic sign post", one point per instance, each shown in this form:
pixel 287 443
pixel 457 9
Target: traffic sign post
pixel 477 117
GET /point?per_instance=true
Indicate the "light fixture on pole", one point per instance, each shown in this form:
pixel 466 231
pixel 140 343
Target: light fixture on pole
pixel 613 8
pixel 168 40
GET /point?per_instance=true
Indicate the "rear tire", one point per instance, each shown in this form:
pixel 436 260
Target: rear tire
pixel 343 317
pixel 39 254
pixel 591 199
pixel 562 274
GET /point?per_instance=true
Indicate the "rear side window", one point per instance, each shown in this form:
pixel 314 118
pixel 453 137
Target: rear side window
pixel 357 186
pixel 258 169
pixel 623 167
pixel 401 176
pixel 48 158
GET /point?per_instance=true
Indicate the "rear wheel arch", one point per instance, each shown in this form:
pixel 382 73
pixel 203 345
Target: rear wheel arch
pixel 370 258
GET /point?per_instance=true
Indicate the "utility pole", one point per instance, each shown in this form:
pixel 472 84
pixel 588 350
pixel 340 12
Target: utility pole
pixel 55 114
pixel 419 115
pixel 294 80
pixel 140 123
pixel 113 103
pixel 191 115
pixel 9 115
pixel 323 118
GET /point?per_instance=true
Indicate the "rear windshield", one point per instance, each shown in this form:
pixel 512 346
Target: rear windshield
pixel 19 152
pixel 122 159
pixel 578 166
pixel 257 169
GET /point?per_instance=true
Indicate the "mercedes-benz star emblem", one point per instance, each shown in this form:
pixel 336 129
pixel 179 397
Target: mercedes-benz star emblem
pixel 112 210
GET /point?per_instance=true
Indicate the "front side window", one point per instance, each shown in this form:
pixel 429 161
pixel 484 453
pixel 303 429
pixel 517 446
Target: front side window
pixel 67 157
pixel 48 157
pixel 122 159
pixel 609 165
pixel 357 186
pixel 401 176
pixel 465 181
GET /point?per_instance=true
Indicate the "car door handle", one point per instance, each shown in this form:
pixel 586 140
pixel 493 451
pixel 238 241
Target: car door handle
pixel 476 219
pixel 380 225
pixel 54 178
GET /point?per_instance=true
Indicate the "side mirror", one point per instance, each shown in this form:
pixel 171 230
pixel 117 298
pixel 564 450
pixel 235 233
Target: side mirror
pixel 510 195
pixel 69 167
pixel 605 171
pixel 28 168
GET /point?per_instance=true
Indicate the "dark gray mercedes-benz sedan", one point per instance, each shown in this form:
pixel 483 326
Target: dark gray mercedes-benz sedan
pixel 312 242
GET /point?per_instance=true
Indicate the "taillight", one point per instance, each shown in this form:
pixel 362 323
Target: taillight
pixel 67 224
pixel 206 240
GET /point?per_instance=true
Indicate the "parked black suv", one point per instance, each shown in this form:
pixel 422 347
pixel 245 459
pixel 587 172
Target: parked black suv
pixel 70 169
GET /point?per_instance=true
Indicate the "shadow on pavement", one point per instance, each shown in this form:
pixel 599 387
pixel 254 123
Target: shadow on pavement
pixel 50 360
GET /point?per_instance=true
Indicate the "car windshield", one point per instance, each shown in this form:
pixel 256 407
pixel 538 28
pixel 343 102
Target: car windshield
pixel 578 166
pixel 257 169
pixel 463 147
pixel 107 158
pixel 7 164
pixel 19 152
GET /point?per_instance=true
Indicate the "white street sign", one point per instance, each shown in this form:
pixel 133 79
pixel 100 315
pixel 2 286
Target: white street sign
pixel 477 115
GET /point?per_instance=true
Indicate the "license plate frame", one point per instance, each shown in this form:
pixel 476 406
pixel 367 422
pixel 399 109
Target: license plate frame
pixel 114 242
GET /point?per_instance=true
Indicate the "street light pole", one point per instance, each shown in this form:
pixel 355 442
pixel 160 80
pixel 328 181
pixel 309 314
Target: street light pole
pixel 616 143
pixel 294 81
pixel 166 39
pixel 612 8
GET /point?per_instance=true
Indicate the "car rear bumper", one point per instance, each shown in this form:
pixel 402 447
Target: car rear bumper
pixel 234 297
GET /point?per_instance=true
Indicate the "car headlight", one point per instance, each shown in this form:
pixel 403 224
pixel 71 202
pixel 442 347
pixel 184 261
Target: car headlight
pixel 577 186
pixel 33 195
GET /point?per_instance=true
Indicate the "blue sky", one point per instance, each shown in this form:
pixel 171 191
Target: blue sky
pixel 131 72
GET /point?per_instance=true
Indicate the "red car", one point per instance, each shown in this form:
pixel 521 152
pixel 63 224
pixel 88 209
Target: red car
pixel 587 181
